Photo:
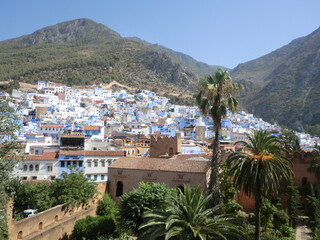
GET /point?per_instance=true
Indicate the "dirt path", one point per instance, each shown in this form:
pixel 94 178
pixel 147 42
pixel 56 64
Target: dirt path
pixel 302 231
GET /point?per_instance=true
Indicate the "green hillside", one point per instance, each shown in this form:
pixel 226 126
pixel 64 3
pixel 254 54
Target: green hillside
pixel 82 52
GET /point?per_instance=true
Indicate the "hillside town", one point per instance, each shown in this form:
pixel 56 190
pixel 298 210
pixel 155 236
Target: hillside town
pixel 101 126
pixel 119 138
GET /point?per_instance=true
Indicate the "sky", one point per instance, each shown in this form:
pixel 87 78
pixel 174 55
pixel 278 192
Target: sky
pixel 217 32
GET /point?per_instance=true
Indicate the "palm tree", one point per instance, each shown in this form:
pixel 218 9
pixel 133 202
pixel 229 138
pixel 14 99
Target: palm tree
pixel 187 217
pixel 215 97
pixel 258 169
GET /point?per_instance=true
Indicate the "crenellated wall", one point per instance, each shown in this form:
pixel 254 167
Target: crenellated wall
pixel 161 145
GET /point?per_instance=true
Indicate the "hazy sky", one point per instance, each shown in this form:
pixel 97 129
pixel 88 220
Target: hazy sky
pixel 225 32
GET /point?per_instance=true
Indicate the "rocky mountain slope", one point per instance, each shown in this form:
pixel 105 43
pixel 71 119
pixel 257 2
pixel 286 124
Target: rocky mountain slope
pixel 284 86
pixel 84 52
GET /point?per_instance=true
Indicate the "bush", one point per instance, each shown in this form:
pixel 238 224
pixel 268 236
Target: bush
pixel 107 206
pixel 91 228
pixel 140 200
pixel 73 189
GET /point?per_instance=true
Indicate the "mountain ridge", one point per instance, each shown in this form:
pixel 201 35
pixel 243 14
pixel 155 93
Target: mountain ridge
pixel 287 90
pixel 84 52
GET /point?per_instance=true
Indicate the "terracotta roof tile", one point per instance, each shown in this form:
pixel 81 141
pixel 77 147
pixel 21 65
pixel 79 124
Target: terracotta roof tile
pixel 91 127
pixel 92 153
pixel 47 156
pixel 53 126
pixel 162 164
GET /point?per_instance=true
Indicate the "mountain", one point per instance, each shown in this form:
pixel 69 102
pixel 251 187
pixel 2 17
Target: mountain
pixel 284 86
pixel 83 52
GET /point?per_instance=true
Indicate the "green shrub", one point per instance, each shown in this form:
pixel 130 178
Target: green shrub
pixel 91 228
pixel 140 200
pixel 107 206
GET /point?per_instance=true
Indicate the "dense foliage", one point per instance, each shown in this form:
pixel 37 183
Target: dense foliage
pixel 107 206
pixel 187 216
pixel 91 228
pixel 73 189
pixel 30 196
pixel 258 169
pixel 8 153
pixel 140 200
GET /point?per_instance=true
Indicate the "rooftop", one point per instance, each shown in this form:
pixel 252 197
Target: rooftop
pixel 179 164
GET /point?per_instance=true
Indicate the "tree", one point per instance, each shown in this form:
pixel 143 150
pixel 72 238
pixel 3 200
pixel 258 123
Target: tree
pixel 293 204
pixel 290 141
pixel 140 200
pixel 30 195
pixel 215 97
pixel 107 206
pixel 258 169
pixel 73 189
pixel 187 217
pixel 8 155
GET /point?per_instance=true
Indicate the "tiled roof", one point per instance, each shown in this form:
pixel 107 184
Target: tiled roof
pixel 53 126
pixel 92 153
pixel 104 153
pixel 47 156
pixel 91 127
pixel 161 164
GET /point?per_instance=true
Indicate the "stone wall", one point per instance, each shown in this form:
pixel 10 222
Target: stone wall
pixel 130 178
pixel 161 145
pixel 55 223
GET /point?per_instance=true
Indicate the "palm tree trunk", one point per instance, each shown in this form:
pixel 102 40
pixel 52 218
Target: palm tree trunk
pixel 258 217
pixel 214 184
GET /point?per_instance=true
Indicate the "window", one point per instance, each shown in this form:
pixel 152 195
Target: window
pixel 80 163
pixel 34 177
pixel 102 177
pixel 49 168
pixel 36 167
pixel 62 164
pixel 68 163
pixel 103 163
pixel 95 163
pixel 180 176
pixel 95 177
pixel 25 167
pixel 53 177
pixel 119 190
pixel 31 168
pixel 89 163
pixel 149 174
pixel 24 178
pixel 36 152
pixel 89 176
